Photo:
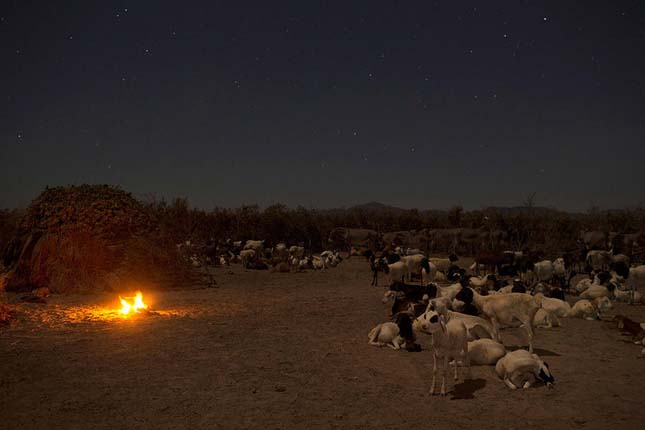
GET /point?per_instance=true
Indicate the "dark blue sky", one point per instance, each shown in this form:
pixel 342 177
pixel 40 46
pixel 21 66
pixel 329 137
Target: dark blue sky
pixel 416 104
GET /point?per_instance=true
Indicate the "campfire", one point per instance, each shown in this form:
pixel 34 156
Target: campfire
pixel 132 305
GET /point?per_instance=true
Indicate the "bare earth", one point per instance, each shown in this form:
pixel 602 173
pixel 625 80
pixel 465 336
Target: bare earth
pixel 288 351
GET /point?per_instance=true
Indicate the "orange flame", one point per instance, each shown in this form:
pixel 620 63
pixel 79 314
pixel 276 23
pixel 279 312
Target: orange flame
pixel 133 307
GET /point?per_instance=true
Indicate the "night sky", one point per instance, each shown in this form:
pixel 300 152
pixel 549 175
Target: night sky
pixel 326 104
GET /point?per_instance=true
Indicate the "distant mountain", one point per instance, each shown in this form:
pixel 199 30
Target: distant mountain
pixel 517 210
pixel 377 207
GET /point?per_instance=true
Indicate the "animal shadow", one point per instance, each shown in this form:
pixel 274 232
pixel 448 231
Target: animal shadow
pixel 466 389
pixel 538 351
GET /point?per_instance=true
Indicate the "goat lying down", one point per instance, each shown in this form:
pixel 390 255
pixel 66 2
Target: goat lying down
pixel 590 310
pixel 485 352
pixel 521 368
pixel 394 334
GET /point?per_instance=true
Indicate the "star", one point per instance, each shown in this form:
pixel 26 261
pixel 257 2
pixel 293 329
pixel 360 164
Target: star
pixel 545 18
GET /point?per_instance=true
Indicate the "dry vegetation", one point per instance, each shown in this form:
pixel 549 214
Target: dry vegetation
pixel 86 237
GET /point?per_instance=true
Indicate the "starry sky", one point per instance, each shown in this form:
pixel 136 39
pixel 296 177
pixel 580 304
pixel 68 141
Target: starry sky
pixel 325 104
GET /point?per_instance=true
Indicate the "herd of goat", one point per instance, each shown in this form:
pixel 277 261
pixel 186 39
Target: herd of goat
pixel 464 311
pixel 254 254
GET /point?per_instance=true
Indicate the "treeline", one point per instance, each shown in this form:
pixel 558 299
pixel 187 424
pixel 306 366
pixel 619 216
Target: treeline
pixel 550 230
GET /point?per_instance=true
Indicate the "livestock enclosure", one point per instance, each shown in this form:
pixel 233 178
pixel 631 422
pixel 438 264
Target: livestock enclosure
pixel 290 351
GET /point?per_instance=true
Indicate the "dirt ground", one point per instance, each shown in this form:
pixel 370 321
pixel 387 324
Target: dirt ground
pixel 286 351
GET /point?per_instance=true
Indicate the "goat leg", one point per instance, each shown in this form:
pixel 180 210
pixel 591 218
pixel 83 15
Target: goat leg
pixel 434 374
pixel 443 375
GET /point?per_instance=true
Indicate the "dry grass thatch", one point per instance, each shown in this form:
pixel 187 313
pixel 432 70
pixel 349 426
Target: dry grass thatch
pixel 89 238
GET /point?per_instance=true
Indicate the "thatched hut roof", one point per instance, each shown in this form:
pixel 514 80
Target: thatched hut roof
pixel 84 238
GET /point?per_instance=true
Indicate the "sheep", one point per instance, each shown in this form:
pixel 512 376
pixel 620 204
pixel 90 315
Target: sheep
pixel 415 292
pixel 394 334
pixel 598 260
pixel 506 290
pixel 297 251
pixel 621 259
pixel 631 327
pixel 450 291
pixel 280 253
pixel 386 334
pixel 247 256
pixel 485 352
pixel 595 291
pixel 627 296
pixel 590 310
pixel 255 245
pixel 544 270
pixel 508 308
pixel 443 264
pixel 317 263
pixel 409 298
pixel 463 302
pixel 415 264
pixel 636 278
pixel 478 328
pixel 559 268
pixel 551 310
pixel 522 368
pixel 583 284
pixel 397 271
pixel 429 275
pixel 449 341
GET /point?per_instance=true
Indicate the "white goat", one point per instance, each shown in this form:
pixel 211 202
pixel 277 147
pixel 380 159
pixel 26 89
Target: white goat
pixel 247 256
pixel 485 352
pixel 627 296
pixel 590 310
pixel 543 271
pixel 429 276
pixel 552 309
pixel 450 291
pixel 478 328
pixel 522 368
pixel 599 260
pixel 386 334
pixel 594 291
pixel 506 309
pixel 449 341
pixel 559 268
pixel 414 263
pixel 397 272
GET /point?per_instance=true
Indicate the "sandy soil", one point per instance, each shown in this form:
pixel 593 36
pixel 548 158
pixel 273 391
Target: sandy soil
pixel 289 351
